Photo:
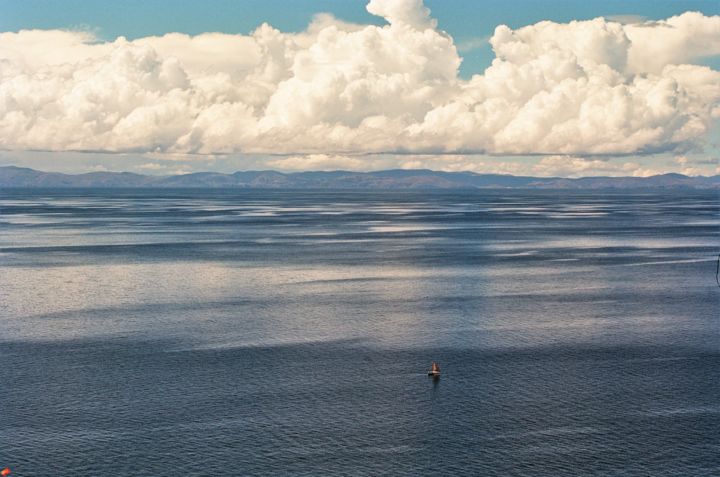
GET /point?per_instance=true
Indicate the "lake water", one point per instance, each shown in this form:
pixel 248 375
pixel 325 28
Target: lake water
pixel 243 333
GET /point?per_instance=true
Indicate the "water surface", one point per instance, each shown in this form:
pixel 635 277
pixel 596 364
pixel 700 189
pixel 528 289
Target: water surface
pixel 193 332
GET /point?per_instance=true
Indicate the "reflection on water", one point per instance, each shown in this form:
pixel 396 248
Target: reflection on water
pixel 289 333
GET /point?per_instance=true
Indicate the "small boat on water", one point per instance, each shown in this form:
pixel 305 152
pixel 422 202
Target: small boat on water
pixel 434 370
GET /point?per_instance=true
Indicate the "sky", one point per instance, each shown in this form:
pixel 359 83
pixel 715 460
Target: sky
pixel 529 87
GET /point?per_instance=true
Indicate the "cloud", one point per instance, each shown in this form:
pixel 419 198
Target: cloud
pixel 163 169
pixel 405 12
pixel 627 19
pixel 568 166
pixel 329 162
pixel 696 166
pixel 677 40
pixel 471 44
pixel 151 166
pixel 342 90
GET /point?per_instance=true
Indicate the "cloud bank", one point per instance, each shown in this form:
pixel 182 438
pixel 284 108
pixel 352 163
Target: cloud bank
pixel 593 87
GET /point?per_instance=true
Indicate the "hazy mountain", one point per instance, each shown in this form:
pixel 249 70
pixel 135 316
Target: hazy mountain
pixel 12 176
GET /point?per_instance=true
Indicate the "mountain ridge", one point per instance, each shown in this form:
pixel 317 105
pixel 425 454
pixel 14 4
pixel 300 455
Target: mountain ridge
pixel 22 177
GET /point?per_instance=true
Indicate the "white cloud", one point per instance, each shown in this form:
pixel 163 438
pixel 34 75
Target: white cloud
pixel 548 166
pixel 627 19
pixel 677 40
pixel 408 12
pixel 691 167
pixel 151 166
pixel 329 162
pixel 164 169
pixel 471 44
pixel 568 166
pixel 337 90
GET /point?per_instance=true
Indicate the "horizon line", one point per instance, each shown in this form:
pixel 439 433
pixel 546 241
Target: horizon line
pixel 329 171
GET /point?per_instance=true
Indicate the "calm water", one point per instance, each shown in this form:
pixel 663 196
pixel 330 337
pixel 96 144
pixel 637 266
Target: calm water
pixel 208 333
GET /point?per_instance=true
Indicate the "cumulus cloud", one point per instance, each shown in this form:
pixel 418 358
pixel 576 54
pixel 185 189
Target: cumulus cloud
pixel 568 166
pixel 338 89
pixel 696 167
pixel 408 12
pixel 548 166
pixel 163 169
pixel 330 162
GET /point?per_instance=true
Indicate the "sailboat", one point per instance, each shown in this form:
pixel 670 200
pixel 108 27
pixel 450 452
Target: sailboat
pixel 434 370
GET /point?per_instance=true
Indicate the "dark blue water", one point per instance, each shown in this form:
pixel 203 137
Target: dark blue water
pixel 213 333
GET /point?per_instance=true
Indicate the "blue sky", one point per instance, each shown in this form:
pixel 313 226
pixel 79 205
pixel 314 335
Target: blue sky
pixel 364 98
pixel 468 22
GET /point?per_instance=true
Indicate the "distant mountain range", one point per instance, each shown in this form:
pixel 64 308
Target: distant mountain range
pixel 11 176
